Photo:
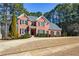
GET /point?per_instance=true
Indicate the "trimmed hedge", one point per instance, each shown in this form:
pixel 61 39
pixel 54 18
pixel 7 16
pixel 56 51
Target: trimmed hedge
pixel 25 36
pixel 42 35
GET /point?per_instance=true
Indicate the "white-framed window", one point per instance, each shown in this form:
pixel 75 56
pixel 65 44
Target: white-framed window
pixel 26 31
pixel 41 23
pixel 22 31
pixel 22 21
pixel 55 32
pixel 52 32
pixel 41 31
pixel 58 33
pixel 26 22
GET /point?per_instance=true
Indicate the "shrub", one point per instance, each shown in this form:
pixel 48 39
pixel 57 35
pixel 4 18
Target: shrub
pixel 42 35
pixel 13 37
pixel 25 36
pixel 64 34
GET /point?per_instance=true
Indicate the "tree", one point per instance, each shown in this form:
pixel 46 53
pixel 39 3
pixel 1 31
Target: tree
pixel 13 29
pixel 35 14
pixel 68 14
pixel 4 9
pixel 19 8
pixel 7 10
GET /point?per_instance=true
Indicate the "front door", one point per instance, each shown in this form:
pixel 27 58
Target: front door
pixel 33 31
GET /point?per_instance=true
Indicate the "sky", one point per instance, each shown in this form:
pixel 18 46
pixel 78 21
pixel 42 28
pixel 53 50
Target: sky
pixel 39 7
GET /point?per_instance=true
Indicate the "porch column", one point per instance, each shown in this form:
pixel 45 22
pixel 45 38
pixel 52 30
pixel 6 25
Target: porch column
pixel 29 30
pixel 49 33
pixel 36 31
pixel 60 33
pixel 55 33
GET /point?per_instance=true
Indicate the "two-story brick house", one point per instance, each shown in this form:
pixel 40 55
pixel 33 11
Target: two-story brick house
pixel 35 25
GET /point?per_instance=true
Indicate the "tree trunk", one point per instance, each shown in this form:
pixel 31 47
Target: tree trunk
pixel 5 19
pixel 6 30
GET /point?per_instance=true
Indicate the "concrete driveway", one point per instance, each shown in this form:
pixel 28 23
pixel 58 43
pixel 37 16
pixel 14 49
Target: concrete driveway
pixel 43 46
pixel 48 51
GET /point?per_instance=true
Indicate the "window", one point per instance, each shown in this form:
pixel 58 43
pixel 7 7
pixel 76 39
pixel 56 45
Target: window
pixel 58 33
pixel 52 33
pixel 26 30
pixel 42 24
pixel 55 32
pixel 23 22
pixel 26 22
pixel 22 31
pixel 41 31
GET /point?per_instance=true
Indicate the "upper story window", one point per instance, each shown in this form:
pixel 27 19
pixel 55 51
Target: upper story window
pixel 42 24
pixel 23 22
pixel 26 22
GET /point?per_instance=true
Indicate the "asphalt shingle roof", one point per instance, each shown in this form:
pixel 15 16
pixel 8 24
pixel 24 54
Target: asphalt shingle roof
pixel 54 27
